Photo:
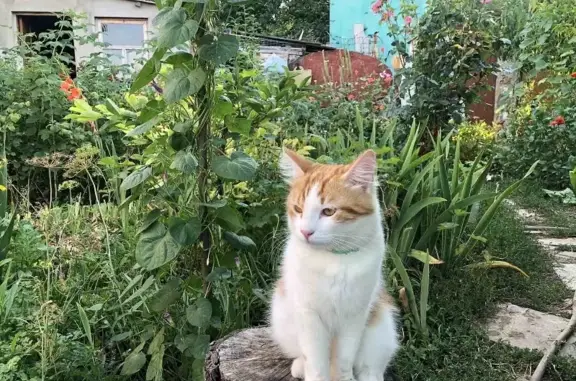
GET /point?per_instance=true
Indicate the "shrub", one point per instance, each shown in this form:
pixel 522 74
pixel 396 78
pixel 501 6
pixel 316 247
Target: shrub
pixel 33 120
pixel 474 138
pixel 455 44
pixel 548 135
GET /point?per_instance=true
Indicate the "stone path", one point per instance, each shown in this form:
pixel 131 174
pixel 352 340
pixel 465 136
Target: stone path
pixel 531 329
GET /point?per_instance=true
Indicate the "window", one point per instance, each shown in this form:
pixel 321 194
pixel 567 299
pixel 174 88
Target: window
pixel 124 38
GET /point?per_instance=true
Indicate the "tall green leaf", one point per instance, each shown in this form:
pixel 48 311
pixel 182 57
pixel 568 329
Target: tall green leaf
pixel 424 290
pixel 491 211
pixel 399 266
pixel 85 324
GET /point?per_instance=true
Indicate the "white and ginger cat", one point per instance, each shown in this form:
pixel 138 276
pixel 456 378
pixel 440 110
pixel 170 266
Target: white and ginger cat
pixel 330 311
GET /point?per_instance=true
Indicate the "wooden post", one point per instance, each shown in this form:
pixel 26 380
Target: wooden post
pixel 248 355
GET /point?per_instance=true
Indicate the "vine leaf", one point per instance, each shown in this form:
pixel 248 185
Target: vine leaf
pixel 218 49
pixel 156 247
pixel 239 166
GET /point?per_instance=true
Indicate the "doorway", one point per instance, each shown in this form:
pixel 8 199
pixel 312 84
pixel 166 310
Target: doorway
pixel 49 35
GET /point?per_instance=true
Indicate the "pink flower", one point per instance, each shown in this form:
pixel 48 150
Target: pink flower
pixel 407 20
pixel 485 1
pixel 377 6
pixel 385 75
pixel 351 97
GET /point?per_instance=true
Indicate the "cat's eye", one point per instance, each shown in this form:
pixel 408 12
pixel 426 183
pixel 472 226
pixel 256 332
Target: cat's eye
pixel 297 209
pixel 328 212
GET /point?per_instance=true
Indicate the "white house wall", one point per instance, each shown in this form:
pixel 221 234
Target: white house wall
pixel 93 9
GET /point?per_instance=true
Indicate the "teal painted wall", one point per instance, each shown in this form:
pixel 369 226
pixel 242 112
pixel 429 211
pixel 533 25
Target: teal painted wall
pixel 345 13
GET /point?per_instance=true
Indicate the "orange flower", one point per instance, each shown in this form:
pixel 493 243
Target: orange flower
pixel 67 84
pixel 573 75
pixel 75 93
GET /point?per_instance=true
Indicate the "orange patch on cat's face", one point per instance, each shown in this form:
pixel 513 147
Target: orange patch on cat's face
pixel 350 203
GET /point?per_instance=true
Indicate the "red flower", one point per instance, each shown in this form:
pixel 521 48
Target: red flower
pixel 573 75
pixel 351 97
pixel 558 121
pixel 371 80
pixel 74 94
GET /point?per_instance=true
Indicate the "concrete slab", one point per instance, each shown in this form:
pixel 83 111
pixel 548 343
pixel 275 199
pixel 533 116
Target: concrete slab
pixel 526 328
pixel 557 241
pixel 567 272
pixel 544 227
pixel 565 256
pixel 528 215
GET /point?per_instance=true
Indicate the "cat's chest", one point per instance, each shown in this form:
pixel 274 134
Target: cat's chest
pixel 339 284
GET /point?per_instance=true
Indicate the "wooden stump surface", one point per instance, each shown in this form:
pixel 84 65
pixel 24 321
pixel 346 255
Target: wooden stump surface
pixel 250 355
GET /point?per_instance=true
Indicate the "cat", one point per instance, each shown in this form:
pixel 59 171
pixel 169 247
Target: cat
pixel 330 311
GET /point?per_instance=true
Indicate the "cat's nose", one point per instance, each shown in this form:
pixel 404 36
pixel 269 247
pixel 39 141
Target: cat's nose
pixel 306 233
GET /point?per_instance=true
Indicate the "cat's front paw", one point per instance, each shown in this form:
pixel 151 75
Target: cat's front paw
pixel 297 369
pixel 346 377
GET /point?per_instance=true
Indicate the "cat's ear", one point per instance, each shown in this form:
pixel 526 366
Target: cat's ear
pixel 363 171
pixel 293 165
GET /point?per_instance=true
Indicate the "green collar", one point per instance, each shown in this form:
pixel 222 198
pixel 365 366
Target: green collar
pixel 343 252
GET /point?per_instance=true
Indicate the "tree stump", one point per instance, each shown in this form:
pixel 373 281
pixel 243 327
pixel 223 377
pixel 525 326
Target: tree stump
pixel 248 355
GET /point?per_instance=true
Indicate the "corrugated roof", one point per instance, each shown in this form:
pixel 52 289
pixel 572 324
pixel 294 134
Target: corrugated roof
pixel 144 1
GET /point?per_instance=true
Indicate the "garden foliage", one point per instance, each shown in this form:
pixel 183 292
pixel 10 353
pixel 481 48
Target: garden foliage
pixel 163 222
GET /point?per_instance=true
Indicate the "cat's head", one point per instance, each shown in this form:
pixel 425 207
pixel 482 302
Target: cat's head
pixel 331 206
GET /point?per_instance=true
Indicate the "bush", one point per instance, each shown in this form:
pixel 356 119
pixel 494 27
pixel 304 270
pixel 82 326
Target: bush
pixel 34 119
pixel 474 138
pixel 548 135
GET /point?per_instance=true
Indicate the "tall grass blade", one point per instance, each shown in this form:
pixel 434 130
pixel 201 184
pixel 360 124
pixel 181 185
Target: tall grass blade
pixel 445 216
pixel 482 178
pixel 141 290
pixel 407 284
pixel 456 169
pixel 489 214
pixel 417 208
pixel 443 178
pixel 85 324
pixel 360 126
pixel 424 289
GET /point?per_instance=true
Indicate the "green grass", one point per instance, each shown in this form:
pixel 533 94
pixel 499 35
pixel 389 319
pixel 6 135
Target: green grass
pixel 532 197
pixel 460 303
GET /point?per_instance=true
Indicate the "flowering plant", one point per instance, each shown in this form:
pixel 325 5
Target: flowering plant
pixel 401 23
pixel 70 89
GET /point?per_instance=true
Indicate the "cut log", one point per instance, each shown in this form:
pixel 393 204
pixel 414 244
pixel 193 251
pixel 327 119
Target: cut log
pixel 248 355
